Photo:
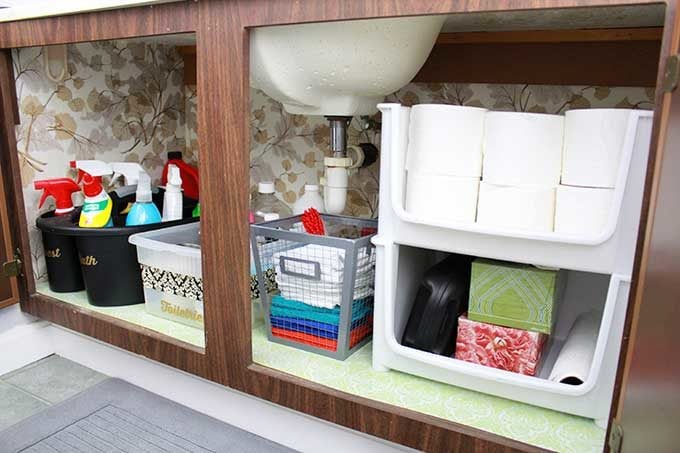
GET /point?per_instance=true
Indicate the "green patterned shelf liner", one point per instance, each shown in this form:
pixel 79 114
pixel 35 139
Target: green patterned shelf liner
pixel 134 314
pixel 533 425
pixel 514 295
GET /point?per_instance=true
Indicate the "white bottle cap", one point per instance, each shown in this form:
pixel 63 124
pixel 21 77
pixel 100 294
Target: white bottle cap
pixel 143 188
pixel 311 188
pixel 266 187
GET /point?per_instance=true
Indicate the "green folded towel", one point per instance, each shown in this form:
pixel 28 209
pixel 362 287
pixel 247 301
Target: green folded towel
pixel 294 309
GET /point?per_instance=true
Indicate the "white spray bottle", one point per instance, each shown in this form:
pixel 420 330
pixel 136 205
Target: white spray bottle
pixel 172 200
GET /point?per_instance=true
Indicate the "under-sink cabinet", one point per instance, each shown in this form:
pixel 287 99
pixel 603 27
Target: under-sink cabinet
pixel 143 81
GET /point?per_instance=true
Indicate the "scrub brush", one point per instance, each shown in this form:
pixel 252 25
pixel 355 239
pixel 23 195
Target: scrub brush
pixel 312 222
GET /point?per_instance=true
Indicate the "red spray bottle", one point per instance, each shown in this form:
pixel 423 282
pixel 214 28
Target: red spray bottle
pixel 59 188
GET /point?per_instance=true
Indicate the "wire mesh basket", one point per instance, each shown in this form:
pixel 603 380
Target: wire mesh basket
pixel 323 298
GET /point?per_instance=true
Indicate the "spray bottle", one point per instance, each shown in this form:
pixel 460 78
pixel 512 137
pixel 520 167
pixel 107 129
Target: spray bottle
pixel 172 200
pixel 59 188
pixel 143 212
pixel 129 171
pixel 97 208
pixel 123 197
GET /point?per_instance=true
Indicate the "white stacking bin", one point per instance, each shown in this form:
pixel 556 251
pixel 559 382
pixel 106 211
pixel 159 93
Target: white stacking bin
pixel 609 250
pixel 598 257
pixel 170 261
pixel 399 270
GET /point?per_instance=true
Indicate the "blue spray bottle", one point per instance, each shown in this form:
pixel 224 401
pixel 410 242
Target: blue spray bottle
pixel 143 212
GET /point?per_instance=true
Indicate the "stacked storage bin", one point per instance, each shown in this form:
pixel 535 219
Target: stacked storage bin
pixel 325 284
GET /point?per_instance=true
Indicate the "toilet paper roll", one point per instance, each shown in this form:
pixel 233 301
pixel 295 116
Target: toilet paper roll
pixel 573 363
pixel 441 197
pixel 446 140
pixel 525 208
pixel 593 144
pixel 582 211
pixel 523 149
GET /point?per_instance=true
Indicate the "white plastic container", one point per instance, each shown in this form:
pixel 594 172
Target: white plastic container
pixel 172 200
pixel 171 273
pixel 405 245
pixel 609 251
pixel 399 270
pixel 310 199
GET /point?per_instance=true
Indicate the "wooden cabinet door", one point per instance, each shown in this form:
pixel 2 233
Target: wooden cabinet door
pixel 9 293
pixel 648 413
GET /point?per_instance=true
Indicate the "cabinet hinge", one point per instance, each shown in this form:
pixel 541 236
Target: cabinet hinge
pixel 12 268
pixel 671 75
pixel 615 438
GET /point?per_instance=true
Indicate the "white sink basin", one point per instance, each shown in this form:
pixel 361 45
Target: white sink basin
pixel 339 68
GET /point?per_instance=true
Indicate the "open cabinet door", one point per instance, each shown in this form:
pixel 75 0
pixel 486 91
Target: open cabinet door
pixel 649 405
pixel 9 293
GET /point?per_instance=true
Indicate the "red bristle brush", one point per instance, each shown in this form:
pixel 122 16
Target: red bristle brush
pixel 312 222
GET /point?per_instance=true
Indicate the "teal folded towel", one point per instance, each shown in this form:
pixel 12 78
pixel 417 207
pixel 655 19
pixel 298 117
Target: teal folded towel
pixel 283 307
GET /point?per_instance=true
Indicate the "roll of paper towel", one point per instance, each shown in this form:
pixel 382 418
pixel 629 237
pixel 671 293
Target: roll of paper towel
pixel 593 144
pixel 523 149
pixel 524 208
pixel 446 140
pixel 440 197
pixel 582 211
pixel 573 363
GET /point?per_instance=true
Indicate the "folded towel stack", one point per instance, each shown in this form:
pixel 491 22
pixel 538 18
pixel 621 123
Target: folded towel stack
pixel 318 326
pixel 313 274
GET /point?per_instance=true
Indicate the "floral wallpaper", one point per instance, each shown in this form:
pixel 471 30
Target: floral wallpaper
pixel 126 101
pixel 119 101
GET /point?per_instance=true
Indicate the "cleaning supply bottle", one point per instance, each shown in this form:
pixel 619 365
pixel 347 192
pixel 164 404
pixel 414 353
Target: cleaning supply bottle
pixel 143 212
pixel 266 203
pixel 172 200
pixel 96 212
pixel 129 171
pixel 59 188
pixel 188 173
pixel 123 197
pixel 310 199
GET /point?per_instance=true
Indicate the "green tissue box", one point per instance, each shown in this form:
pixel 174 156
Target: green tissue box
pixel 514 295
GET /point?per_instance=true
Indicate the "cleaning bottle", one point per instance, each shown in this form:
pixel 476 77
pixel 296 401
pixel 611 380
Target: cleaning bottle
pixel 96 212
pixel 310 199
pixel 172 200
pixel 59 188
pixel 123 197
pixel 267 203
pixel 188 173
pixel 143 212
pixel 129 171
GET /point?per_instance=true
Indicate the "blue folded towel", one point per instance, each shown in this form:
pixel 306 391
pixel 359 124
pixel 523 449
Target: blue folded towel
pixel 286 308
pixel 319 329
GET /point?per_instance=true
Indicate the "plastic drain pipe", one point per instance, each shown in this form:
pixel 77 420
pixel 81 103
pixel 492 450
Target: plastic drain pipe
pixel 336 177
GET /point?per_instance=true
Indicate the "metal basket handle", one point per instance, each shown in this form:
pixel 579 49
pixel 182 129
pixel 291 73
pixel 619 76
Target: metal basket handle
pixel 315 268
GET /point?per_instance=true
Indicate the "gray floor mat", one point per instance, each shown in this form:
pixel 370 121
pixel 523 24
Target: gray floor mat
pixel 118 417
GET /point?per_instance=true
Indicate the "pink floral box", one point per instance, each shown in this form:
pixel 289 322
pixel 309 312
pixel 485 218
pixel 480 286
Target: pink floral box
pixel 499 347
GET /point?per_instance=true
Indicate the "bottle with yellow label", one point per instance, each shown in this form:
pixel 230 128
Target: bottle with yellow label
pixel 96 212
